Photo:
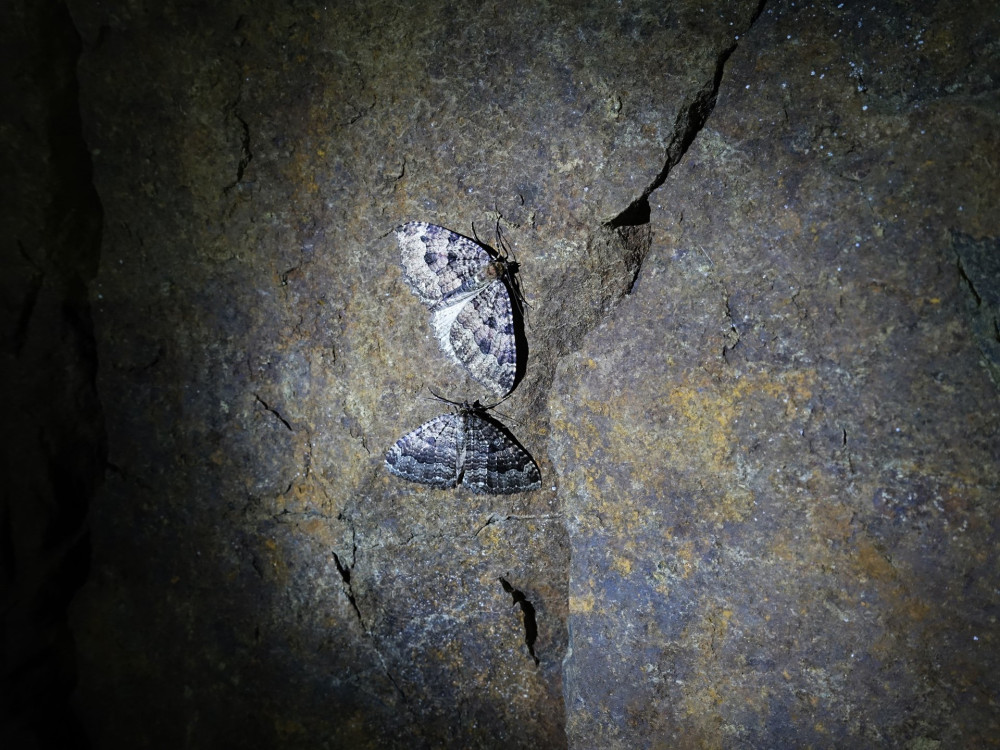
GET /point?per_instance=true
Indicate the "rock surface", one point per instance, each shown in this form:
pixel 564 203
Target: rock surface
pixel 757 268
pixel 779 457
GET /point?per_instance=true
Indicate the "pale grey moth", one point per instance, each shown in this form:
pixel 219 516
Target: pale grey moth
pixel 468 288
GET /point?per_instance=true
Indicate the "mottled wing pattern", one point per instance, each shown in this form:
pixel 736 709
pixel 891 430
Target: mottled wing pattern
pixel 482 338
pixel 495 463
pixel 470 303
pixel 431 454
pixel 439 264
pixel 470 447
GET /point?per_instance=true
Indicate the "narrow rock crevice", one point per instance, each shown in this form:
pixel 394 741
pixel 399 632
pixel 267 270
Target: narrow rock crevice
pixel 346 570
pixel 528 612
pixel 978 266
pixel 274 412
pixel 969 283
pixel 732 336
pixel 689 122
pixel 345 574
pixel 246 154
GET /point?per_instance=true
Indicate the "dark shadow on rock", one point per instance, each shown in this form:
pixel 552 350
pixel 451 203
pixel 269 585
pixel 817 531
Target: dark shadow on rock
pixel 54 441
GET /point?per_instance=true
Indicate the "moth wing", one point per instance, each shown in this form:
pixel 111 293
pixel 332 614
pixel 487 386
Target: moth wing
pixel 495 463
pixel 437 263
pixel 479 334
pixel 431 453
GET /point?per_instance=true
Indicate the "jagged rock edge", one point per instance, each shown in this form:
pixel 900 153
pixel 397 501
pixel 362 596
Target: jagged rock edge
pixel 637 215
pixel 689 122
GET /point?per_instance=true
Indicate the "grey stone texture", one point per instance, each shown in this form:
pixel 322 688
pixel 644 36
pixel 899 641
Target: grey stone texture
pixel 779 457
pixel 757 246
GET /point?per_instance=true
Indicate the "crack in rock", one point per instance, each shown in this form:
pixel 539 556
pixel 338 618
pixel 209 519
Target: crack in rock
pixel 528 610
pixel 689 122
pixel 732 336
pixel 494 519
pixel 345 574
pixel 978 264
pixel 246 153
pixel 274 412
pixel 345 569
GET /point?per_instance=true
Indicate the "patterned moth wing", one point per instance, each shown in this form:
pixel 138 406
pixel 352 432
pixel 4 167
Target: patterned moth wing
pixel 465 288
pixel 439 264
pixel 467 447
pixel 431 454
pixel 495 462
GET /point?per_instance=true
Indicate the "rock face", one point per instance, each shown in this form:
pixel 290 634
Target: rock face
pixel 779 456
pixel 755 244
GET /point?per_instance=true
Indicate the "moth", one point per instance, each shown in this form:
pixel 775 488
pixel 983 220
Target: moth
pixel 465 447
pixel 469 289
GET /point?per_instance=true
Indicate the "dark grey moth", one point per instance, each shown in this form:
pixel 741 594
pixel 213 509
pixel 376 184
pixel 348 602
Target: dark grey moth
pixel 468 288
pixel 466 447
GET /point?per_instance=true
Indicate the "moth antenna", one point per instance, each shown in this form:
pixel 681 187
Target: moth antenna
pixel 507 417
pixel 439 397
pixel 506 253
pixel 502 245
pixel 500 241
pixel 497 403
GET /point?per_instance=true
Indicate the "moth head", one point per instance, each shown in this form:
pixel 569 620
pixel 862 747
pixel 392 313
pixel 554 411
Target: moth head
pixel 497 268
pixel 466 405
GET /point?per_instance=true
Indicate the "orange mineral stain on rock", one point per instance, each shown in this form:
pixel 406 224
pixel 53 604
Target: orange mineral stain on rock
pixel 622 564
pixel 581 604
